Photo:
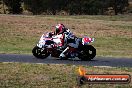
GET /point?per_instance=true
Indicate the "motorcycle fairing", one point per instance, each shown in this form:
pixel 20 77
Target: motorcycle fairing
pixel 87 40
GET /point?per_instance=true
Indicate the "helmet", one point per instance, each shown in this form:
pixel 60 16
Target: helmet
pixel 59 28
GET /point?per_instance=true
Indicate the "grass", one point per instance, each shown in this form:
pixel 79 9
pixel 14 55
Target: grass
pixel 24 75
pixel 115 46
pixel 95 17
pixel 20 33
pixel 129 27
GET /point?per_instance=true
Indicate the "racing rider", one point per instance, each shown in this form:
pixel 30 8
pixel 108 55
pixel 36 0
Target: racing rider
pixel 69 41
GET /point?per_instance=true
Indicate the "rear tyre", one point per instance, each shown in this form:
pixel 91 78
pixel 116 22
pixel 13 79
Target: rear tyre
pixel 87 53
pixel 39 53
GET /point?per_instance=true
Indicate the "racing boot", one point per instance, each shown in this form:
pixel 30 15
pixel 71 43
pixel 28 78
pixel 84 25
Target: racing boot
pixel 63 54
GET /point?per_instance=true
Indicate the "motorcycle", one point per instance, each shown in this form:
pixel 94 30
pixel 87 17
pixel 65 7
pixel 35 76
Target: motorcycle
pixel 51 46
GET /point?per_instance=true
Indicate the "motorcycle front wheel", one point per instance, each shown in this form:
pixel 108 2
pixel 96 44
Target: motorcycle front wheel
pixel 39 53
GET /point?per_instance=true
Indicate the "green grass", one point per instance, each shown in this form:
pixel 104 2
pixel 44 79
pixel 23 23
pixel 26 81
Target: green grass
pixel 123 27
pixel 19 34
pixel 15 42
pixel 20 75
pixel 93 17
pixel 114 46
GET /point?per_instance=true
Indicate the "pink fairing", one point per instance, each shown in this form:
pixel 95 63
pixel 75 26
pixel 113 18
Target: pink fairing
pixel 87 40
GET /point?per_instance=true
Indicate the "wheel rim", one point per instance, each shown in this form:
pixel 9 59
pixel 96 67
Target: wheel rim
pixel 91 53
pixel 38 52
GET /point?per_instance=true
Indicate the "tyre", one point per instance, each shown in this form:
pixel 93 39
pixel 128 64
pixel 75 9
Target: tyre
pixel 87 53
pixel 39 53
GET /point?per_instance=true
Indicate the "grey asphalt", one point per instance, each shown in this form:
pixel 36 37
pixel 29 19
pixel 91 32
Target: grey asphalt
pixel 97 61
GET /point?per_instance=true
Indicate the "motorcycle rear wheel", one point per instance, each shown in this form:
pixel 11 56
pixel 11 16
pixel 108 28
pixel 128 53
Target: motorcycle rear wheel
pixel 87 53
pixel 39 53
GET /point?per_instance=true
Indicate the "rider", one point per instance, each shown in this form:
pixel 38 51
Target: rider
pixel 69 40
pixel 72 45
pixel 60 29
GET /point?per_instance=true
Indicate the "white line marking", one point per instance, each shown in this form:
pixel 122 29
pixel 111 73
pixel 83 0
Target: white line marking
pixel 104 67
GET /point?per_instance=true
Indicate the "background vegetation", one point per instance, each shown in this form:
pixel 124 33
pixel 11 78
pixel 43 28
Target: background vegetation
pixel 65 7
pixel 113 34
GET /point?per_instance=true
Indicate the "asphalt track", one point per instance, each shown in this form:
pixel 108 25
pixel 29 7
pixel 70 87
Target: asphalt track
pixel 97 61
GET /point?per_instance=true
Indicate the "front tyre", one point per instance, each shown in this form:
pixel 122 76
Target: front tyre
pixel 39 53
pixel 87 53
